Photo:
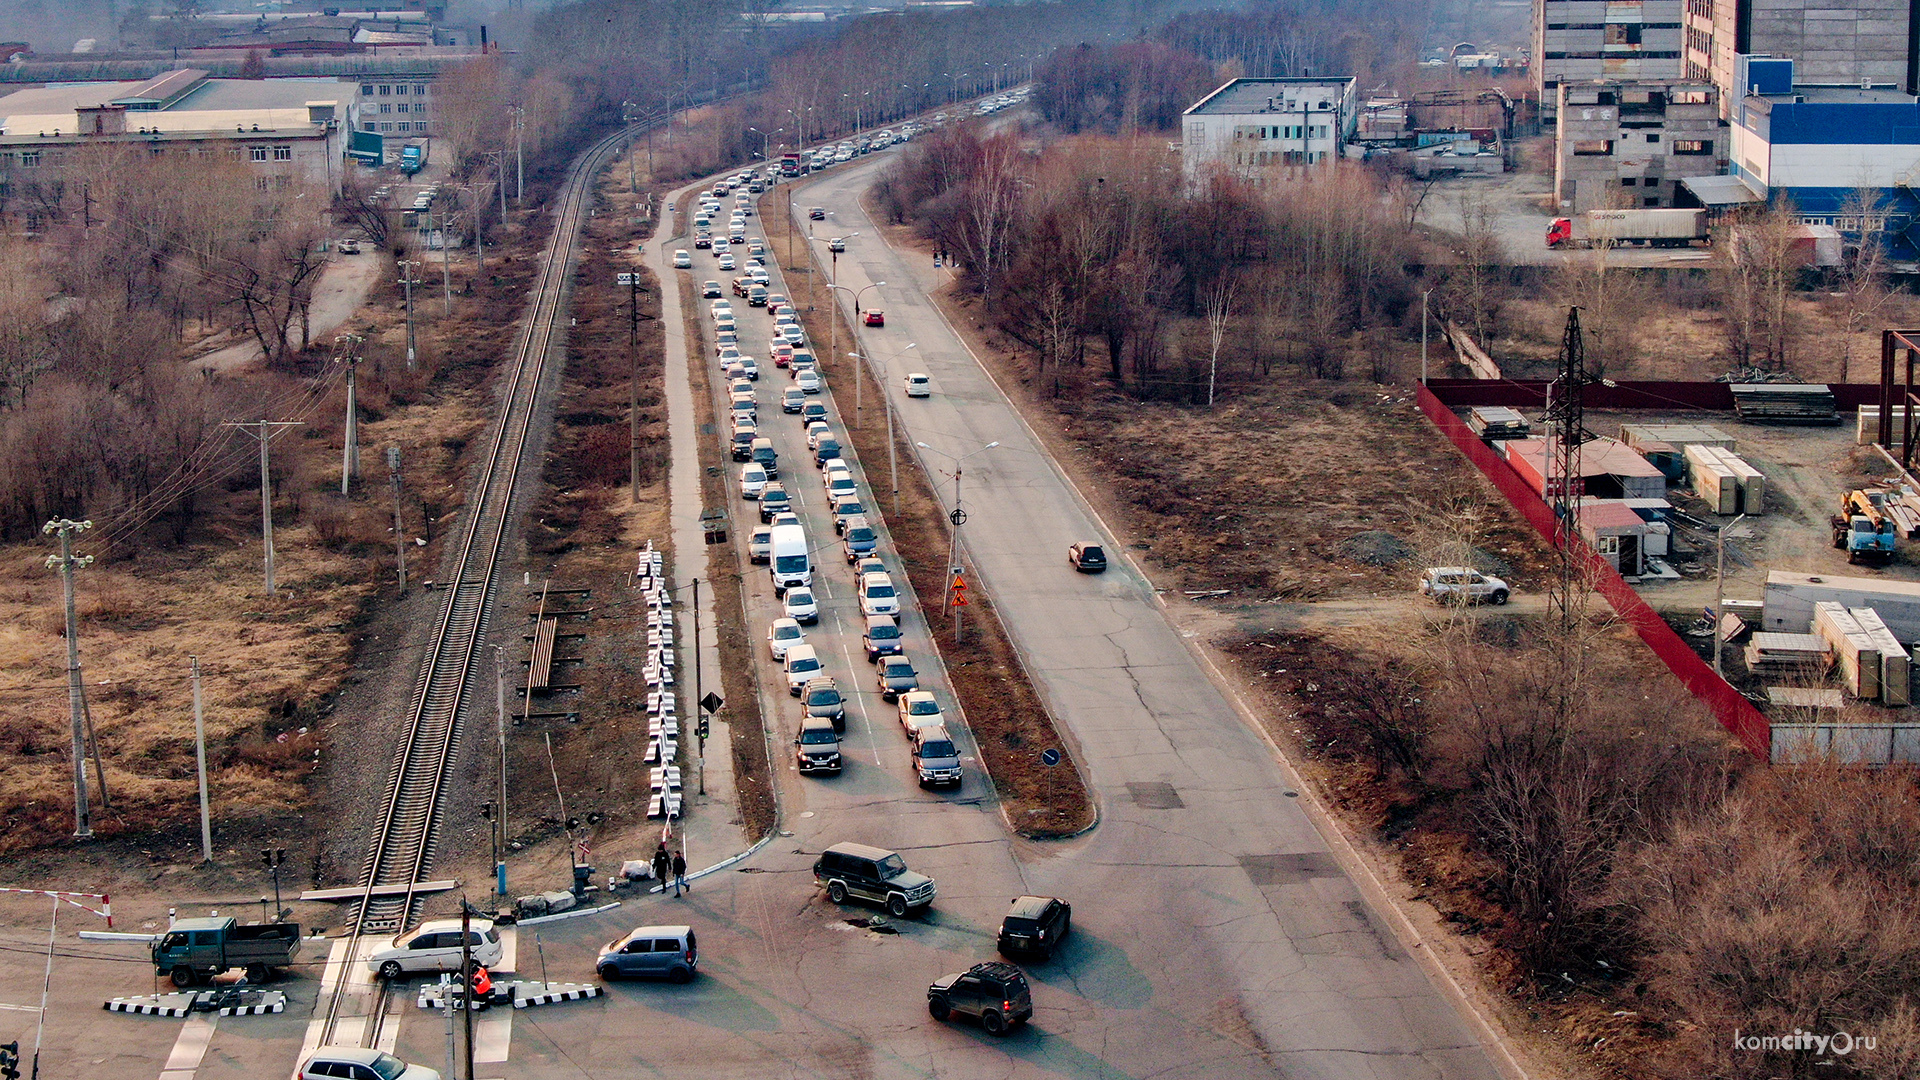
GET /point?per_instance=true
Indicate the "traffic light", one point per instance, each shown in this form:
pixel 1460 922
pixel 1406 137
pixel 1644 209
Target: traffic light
pixel 10 1060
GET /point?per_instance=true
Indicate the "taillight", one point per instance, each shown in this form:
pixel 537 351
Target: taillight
pixel 1006 1007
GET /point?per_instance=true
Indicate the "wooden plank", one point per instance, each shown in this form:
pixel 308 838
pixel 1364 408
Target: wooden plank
pixel 1805 698
pixel 354 893
pixel 540 666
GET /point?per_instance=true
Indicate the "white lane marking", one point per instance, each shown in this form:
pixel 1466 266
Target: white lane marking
pixel 493 1033
pixel 196 1034
pixel 509 951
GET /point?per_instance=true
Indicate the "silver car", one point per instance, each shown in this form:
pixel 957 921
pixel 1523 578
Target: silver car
pixel 651 952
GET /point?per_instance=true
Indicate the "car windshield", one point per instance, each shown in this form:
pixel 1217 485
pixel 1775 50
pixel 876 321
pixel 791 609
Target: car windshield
pixel 924 708
pixel 816 736
pixel 790 564
pixel 799 598
pixel 860 536
pixel 824 697
pixel 880 592
pixel 388 1067
pixel 785 633
pixel 937 748
pixel 892 867
pixel 804 663
pixel 883 633
pixel 849 508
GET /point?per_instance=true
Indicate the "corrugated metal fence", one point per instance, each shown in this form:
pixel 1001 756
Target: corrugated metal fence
pixel 1734 712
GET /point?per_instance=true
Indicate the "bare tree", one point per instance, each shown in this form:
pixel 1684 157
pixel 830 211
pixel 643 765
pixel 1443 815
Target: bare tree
pixel 1759 266
pixel 1863 269
pixel 1218 297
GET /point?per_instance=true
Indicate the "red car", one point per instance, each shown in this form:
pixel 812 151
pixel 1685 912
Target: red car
pixel 876 318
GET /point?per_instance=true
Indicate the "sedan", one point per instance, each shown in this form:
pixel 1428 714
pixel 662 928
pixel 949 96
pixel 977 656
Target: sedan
pixel 801 606
pixel 808 381
pixel 752 368
pixel 876 318
pixel 816 213
pixel 895 676
pixel 812 410
pixel 710 289
pixel 837 245
pixel 793 335
pixel 816 431
pixel 726 262
pixel 782 633
pixel 792 399
pixel 918 709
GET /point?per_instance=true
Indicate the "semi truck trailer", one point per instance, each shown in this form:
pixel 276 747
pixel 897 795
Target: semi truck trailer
pixel 1652 227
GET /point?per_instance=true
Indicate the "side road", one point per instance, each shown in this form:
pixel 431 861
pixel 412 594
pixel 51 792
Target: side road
pixel 1196 804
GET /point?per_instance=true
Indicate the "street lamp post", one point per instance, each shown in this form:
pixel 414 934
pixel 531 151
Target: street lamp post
pixel 833 275
pixel 519 155
pixel 859 383
pixel 893 460
pixel 957 517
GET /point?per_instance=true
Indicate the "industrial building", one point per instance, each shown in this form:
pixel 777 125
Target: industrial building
pixel 1584 40
pixel 1836 42
pixel 1268 129
pixel 1822 147
pixel 289 131
pixel 1626 144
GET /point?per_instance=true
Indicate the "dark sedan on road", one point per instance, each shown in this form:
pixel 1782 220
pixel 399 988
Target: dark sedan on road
pixel 896 676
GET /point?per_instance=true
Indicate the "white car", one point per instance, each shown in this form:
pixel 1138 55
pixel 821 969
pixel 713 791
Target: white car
pixel 359 1062
pixel 760 544
pixel 808 381
pixel 1453 584
pixel 794 336
pixel 782 633
pixel 801 664
pixel 816 431
pixel 752 368
pixel 719 308
pixel 919 385
pixel 753 480
pixel 729 354
pixel 683 259
pixel 726 262
pixel 436 947
pixel 918 709
pixel 878 596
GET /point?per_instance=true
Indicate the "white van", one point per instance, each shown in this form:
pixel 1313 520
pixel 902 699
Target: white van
pixel 791 564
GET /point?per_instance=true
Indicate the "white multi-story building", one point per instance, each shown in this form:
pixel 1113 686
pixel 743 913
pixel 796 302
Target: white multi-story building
pixel 1268 129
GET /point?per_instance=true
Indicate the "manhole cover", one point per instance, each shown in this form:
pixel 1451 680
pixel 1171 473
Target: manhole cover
pixel 1155 795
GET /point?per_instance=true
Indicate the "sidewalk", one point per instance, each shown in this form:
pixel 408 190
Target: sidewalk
pixel 345 282
pixel 710 829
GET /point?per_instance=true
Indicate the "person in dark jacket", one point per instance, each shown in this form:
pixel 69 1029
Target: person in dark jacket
pixel 680 873
pixel 662 866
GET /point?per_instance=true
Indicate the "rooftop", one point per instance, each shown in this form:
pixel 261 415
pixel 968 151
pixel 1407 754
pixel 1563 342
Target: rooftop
pixel 1254 95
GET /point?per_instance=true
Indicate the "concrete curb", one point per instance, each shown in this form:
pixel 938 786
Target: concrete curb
pixel 574 914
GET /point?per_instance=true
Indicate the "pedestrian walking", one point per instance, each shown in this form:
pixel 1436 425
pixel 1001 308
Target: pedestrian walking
pixel 680 873
pixel 662 865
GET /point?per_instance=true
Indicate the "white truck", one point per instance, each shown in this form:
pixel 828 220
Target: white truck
pixel 1653 227
pixel 791 565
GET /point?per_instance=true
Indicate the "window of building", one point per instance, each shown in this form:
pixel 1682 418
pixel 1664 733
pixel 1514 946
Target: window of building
pixel 1653 137
pixel 29 159
pixel 257 153
pixel 385 90
pixel 386 107
pixel 366 89
pixel 1623 33
pixel 419 89
pixel 1651 200
pixel 1692 146
pixel 1593 148
pixel 235 153
pixel 283 153
pixel 260 183
pixel 1628 181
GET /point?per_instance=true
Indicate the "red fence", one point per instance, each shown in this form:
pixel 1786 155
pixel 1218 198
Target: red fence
pixel 1734 712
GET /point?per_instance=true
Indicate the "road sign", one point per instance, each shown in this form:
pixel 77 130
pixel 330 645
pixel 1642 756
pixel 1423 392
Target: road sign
pixel 1049 756
pixel 959 599
pixel 623 279
pixel 959 583
pixel 712 702
pixel 958 517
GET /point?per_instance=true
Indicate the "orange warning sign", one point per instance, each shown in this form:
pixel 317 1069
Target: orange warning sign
pixel 959 583
pixel 959 599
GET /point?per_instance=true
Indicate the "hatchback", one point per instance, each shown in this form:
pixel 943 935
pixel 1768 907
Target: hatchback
pixel 802 608
pixel 436 946
pixel 358 1063
pixel 658 952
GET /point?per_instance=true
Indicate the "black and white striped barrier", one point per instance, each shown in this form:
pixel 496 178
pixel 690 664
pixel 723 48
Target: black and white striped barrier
pixel 527 994
pixel 256 1003
pixel 153 1004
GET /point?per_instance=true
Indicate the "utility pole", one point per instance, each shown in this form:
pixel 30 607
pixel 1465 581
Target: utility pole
pixel 699 710
pixel 1423 335
pixel 500 726
pixel 66 562
pixel 350 450
pixel 399 537
pixel 265 434
pixel 519 156
pixel 200 762
pixel 406 270
pixel 466 973
pixel 633 387
pixel 446 266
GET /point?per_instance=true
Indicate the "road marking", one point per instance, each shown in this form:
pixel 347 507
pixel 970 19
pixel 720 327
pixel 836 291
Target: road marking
pixel 493 1033
pixel 196 1034
pixel 20 1008
pixel 509 950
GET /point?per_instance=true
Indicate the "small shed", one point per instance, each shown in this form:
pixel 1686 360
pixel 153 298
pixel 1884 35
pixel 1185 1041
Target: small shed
pixel 1608 468
pixel 1618 534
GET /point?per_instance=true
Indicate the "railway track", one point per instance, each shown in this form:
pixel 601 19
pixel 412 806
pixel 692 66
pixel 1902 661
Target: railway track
pixel 404 843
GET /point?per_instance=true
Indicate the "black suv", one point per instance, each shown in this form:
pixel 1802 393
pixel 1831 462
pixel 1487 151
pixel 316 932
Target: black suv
pixel 995 992
pixel 820 700
pixel 871 873
pixel 1035 924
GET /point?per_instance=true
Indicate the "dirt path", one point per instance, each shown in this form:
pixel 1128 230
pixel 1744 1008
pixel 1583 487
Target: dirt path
pixel 344 286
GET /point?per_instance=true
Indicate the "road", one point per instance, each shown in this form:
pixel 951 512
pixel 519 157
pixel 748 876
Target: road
pixel 1227 894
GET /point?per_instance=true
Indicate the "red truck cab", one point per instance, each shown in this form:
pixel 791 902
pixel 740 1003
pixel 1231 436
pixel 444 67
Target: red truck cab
pixel 1559 231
